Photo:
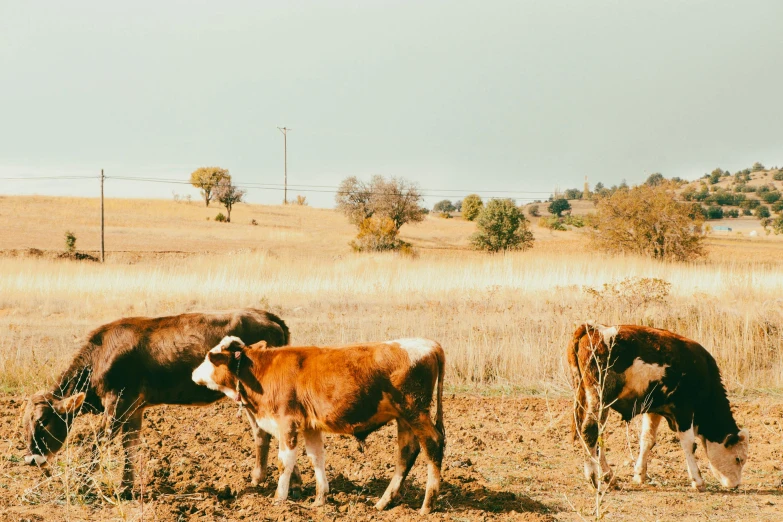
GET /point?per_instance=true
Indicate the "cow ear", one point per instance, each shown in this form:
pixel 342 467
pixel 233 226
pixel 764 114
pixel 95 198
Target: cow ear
pixel 69 404
pixel 218 358
pixel 743 435
pixel 736 438
pixel 261 345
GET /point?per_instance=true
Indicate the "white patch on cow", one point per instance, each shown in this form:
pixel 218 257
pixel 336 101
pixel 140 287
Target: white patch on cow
pixel 203 375
pixel 416 347
pixel 639 375
pixel 269 425
pixel 727 463
pixel 226 342
pixel 608 333
pixel 38 460
pixel 687 442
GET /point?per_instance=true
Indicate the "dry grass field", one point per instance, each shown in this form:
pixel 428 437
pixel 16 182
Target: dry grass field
pixel 503 320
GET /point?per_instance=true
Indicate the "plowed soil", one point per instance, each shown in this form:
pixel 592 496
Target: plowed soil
pixel 507 458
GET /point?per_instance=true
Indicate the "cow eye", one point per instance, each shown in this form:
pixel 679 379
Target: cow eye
pixel 739 460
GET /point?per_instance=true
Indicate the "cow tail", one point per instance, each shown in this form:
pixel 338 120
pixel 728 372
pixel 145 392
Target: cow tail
pixel 576 378
pixel 283 327
pixel 441 358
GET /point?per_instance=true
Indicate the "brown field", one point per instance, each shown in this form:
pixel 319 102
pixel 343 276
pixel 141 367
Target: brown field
pixel 503 321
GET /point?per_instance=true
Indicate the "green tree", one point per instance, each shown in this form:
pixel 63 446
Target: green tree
pixel 502 226
pixel 648 221
pixel 655 179
pixel 471 206
pixel 206 179
pixel 715 176
pixel 762 211
pixel 444 207
pixel 558 206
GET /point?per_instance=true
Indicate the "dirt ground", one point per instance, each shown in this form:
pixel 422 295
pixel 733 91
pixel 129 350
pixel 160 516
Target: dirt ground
pixel 507 458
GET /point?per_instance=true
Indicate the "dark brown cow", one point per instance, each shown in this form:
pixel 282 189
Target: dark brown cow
pixel 130 364
pixel 300 392
pixel 661 375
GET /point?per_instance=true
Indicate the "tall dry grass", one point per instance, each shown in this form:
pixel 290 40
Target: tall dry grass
pixel 503 320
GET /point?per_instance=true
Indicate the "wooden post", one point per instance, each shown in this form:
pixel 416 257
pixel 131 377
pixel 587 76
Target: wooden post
pixel 102 225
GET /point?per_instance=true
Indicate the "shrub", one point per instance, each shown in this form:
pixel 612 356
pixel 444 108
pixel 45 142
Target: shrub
pixel 715 176
pixel 777 206
pixel 254 222
pixel 301 201
pixel 648 221
pixel 574 221
pixel 377 234
pixel 778 176
pixel 220 217
pixel 471 206
pixel 502 226
pixel 771 197
pixel 747 212
pixel 762 211
pixel 558 206
pixel 750 203
pixel 757 167
pixel 70 241
pixel 696 212
pixel 552 223
pixel 732 213
pixel 775 224
pixel 573 194
pixel 655 179
pixel 714 212
pixel 533 211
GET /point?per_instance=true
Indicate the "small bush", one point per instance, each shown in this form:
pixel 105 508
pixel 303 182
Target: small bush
pixel 471 206
pixel 552 223
pixel 777 206
pixel 377 234
pixel 254 222
pixel 757 167
pixel 771 197
pixel 747 212
pixel 533 211
pixel 220 217
pixel 714 212
pixel 301 201
pixel 778 176
pixel 732 213
pixel 70 241
pixel 574 221
pixel 763 212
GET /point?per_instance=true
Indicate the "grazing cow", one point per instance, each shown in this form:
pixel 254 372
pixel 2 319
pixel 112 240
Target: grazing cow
pixel 298 393
pixel 130 364
pixel 658 374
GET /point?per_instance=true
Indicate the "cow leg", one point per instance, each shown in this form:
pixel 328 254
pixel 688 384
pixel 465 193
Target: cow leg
pixel 314 446
pixel 287 455
pixel 589 435
pixel 433 442
pixel 650 423
pixel 107 428
pixel 131 439
pixel 262 440
pixel 688 443
pixel 407 450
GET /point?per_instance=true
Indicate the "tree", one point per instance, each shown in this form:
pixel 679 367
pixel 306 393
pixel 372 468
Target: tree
pixel 598 187
pixel 558 206
pixel 776 224
pixel 502 226
pixel 444 207
pixel 206 179
pixel 573 194
pixel 762 211
pixel 655 179
pixel 757 167
pixel 715 176
pixel 228 194
pixel 396 200
pixel 471 206
pixel 648 221
pixel 458 205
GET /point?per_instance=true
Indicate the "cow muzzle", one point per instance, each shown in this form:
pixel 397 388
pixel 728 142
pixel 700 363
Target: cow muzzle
pixel 35 460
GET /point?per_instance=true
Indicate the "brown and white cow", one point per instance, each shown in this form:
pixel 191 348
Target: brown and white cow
pixel 299 393
pixel 660 375
pixel 130 364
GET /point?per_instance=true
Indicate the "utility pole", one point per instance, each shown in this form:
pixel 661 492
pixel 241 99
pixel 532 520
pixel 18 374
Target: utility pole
pixel 285 130
pixel 102 250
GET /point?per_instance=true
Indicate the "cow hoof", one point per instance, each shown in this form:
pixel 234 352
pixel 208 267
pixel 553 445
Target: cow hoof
pixel 425 510
pixel 382 504
pixel 639 479
pixel 257 477
pixel 319 502
pixel 699 486
pixel 278 501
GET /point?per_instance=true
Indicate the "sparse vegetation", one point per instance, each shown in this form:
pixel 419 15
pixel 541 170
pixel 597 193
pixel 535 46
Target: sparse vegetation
pixel 502 226
pixel 648 221
pixel 301 201
pixel 70 242
pixel 220 218
pixel 533 210
pixel 379 208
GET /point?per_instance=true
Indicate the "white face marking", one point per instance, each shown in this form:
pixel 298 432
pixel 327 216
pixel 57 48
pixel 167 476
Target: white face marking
pixel 269 425
pixel 38 460
pixel 608 333
pixel 203 375
pixel 723 460
pixel 226 342
pixel 416 347
pixel 638 377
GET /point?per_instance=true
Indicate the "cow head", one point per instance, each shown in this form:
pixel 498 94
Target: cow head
pixel 217 372
pixel 728 457
pixel 46 423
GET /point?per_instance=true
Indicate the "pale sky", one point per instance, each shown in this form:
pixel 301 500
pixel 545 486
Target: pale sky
pixel 477 95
